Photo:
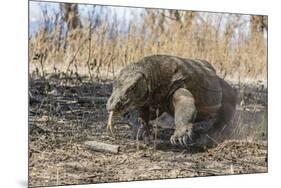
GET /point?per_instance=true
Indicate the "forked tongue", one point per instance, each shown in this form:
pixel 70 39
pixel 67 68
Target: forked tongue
pixel 109 123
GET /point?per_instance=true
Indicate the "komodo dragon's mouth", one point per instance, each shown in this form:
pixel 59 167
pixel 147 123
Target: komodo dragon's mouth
pixel 117 111
pixel 122 107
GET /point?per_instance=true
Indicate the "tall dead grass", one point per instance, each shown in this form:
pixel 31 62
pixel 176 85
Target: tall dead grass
pixel 221 39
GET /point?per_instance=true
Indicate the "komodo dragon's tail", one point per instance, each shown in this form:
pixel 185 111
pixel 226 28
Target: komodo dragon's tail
pixel 227 110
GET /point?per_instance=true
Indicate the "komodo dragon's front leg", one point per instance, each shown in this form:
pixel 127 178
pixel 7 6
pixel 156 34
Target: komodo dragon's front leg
pixel 185 115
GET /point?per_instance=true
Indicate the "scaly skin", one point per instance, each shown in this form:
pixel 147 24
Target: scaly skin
pixel 189 90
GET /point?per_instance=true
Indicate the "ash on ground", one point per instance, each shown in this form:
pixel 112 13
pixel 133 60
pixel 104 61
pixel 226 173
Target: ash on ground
pixel 66 112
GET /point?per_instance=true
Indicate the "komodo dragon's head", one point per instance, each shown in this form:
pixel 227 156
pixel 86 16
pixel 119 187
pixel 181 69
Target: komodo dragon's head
pixel 129 90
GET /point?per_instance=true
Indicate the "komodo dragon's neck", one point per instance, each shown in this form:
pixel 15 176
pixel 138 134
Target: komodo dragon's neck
pixel 157 80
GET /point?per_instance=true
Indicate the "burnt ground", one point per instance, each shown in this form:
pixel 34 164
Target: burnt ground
pixel 64 112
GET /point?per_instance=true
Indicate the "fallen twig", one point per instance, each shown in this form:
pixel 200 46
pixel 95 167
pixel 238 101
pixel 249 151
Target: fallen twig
pixel 99 146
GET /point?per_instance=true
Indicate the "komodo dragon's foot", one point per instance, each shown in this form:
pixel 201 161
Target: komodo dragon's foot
pixel 183 136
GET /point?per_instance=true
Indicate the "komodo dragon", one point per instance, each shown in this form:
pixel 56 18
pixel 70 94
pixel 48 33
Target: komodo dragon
pixel 201 103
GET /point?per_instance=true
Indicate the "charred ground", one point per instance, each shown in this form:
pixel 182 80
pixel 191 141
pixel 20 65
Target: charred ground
pixel 66 111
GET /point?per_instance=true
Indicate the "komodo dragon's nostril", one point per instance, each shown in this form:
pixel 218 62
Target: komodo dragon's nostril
pixel 119 103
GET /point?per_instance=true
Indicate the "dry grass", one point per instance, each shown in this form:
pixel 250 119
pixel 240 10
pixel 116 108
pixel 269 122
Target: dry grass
pixel 221 39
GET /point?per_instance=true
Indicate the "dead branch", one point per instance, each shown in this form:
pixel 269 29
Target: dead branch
pixel 99 146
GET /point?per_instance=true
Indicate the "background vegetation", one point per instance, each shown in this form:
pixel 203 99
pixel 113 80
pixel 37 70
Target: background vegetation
pixel 99 44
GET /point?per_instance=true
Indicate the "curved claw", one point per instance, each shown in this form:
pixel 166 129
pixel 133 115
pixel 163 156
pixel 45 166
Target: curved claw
pixel 180 140
pixel 173 141
pixel 183 140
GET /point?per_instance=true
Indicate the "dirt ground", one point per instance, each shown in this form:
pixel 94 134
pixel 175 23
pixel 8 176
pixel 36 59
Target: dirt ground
pixel 65 112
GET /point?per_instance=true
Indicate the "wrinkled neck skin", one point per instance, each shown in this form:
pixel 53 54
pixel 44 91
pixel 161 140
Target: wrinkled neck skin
pixel 157 78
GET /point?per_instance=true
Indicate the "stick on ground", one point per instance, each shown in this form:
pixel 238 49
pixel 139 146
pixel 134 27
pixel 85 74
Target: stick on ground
pixel 103 147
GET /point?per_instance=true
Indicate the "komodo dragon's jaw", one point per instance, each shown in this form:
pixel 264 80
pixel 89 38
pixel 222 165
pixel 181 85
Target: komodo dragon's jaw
pixel 117 105
pixel 127 93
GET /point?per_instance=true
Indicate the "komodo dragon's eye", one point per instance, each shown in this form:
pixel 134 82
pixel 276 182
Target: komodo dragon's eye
pixel 133 87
